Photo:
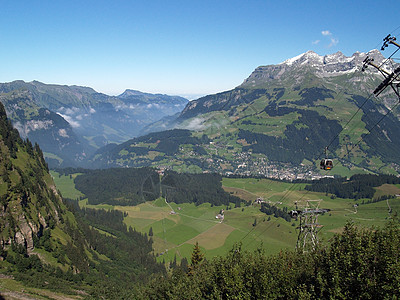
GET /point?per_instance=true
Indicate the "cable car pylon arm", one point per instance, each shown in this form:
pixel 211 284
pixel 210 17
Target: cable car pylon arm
pixel 370 61
pixel 389 40
pixel 391 79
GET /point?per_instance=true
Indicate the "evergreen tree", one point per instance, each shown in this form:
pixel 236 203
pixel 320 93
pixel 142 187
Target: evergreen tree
pixel 197 258
pixel 173 264
pixel 184 264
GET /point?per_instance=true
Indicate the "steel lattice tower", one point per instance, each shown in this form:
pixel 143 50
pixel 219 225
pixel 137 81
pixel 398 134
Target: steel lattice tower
pixel 309 227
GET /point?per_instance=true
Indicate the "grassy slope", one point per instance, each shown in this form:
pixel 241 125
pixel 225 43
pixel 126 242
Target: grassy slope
pixel 175 234
pixel 12 289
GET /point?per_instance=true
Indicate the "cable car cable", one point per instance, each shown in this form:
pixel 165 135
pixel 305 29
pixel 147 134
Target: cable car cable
pixel 343 128
pixel 369 130
pixel 359 108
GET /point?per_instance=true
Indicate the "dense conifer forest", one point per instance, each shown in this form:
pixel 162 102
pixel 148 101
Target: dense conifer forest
pixel 357 187
pixel 119 186
pixel 196 188
pixel 132 186
pixel 286 149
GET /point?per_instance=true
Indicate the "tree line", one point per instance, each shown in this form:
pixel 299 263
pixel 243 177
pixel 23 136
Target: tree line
pixel 357 187
pixel 275 211
pixel 108 266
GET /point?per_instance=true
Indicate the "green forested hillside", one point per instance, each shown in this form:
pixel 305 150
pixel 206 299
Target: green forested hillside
pixel 46 244
pixel 119 186
pixel 196 188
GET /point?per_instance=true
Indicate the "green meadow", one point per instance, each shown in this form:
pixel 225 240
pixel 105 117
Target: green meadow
pixel 177 227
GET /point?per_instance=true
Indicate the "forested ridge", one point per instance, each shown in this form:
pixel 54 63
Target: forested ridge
pixel 301 140
pixel 130 252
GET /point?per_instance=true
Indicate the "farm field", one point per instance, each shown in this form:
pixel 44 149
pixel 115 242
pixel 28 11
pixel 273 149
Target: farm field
pixel 177 227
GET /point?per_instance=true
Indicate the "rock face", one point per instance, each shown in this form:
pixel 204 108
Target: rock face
pixel 28 205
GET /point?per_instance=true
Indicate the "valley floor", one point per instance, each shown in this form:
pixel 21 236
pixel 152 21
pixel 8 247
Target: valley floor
pixel 175 228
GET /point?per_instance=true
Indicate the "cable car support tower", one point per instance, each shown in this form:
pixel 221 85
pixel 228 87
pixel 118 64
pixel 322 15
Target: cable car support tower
pixel 309 227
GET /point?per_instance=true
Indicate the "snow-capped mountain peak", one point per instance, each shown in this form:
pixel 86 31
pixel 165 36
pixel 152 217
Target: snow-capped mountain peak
pixel 307 57
pixel 330 65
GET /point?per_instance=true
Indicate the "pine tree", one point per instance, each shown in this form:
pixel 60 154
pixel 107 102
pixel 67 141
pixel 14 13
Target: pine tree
pixel 197 258
pixel 184 264
pixel 173 264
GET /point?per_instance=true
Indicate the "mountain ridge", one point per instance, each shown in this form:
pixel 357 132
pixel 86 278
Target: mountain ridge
pixel 309 99
pixel 91 119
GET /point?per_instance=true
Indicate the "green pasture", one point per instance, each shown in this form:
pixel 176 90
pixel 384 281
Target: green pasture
pixel 177 227
pixel 66 185
pixel 53 156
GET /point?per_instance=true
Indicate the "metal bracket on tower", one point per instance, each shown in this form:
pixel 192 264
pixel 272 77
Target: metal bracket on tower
pixel 389 40
pixel 391 79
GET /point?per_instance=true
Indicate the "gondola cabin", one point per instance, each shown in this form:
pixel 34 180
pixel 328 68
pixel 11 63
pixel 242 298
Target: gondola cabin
pixel 326 164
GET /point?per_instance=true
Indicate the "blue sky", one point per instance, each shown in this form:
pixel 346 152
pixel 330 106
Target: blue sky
pixel 178 47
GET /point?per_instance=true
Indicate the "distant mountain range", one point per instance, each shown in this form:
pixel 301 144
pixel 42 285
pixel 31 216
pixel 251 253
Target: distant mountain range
pixel 280 119
pixel 71 122
pixel 281 114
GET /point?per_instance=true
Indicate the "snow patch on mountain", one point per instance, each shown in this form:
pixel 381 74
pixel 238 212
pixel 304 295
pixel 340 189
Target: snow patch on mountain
pixel 331 65
pixel 308 57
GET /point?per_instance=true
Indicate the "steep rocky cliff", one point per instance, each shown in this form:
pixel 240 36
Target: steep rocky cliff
pixel 29 202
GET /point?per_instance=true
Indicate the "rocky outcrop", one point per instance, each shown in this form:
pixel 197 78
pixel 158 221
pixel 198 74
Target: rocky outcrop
pixel 27 203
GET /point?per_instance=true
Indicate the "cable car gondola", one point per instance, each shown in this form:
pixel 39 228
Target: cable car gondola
pixel 326 163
